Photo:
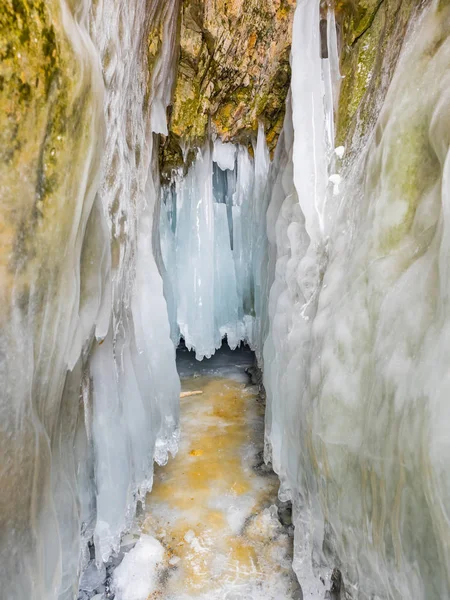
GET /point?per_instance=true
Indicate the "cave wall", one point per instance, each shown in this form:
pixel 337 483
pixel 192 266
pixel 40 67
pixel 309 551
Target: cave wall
pixel 84 326
pixel 96 98
pixel 89 386
pixel 354 361
pixel 372 34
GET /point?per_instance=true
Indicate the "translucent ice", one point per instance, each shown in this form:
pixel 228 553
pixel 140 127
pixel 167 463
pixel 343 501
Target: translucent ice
pixel 195 257
pixel 356 359
pixel 93 577
pixel 308 96
pixel 213 241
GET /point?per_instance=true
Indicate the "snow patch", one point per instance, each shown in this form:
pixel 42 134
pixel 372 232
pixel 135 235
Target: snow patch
pixel 137 576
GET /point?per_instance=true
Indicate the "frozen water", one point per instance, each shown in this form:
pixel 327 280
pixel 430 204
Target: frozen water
pixel 356 324
pixel 308 95
pixel 354 362
pixel 225 294
pixel 93 577
pixel 340 151
pixel 195 257
pixel 213 242
pixel 135 386
pixel 210 508
pixel 224 155
pixel 90 388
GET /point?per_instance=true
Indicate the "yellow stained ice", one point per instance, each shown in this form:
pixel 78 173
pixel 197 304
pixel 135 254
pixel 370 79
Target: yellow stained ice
pixel 209 507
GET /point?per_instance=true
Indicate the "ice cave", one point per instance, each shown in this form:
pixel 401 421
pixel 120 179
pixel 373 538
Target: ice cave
pixel 225 281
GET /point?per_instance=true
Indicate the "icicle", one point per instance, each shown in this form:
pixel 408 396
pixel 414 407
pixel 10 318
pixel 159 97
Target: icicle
pixel 310 164
pixel 195 256
pixel 225 301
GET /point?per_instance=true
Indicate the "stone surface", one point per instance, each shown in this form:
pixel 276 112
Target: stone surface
pixel 372 34
pixel 233 71
pixel 45 125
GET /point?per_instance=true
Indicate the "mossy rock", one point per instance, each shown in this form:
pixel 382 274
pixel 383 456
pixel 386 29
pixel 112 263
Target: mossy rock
pixel 46 106
pixel 233 70
pixel 372 32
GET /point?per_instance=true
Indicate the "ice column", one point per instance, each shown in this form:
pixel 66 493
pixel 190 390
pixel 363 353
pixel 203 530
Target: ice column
pixel 213 243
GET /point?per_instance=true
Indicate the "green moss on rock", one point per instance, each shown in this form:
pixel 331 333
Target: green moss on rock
pixel 45 121
pixel 233 69
pixel 373 32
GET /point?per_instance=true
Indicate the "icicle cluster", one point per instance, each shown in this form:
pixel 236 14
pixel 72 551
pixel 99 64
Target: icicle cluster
pixel 213 237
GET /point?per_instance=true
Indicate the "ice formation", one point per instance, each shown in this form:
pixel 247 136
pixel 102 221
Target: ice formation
pixel 138 574
pixel 92 390
pixel 356 361
pixel 331 263
pixel 213 237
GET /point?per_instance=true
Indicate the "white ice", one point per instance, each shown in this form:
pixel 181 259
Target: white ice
pixel 224 155
pixel 213 241
pixel 138 574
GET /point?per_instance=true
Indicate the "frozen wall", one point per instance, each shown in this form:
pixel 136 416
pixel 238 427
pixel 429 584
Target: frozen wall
pixel 213 237
pixel 356 361
pixel 89 386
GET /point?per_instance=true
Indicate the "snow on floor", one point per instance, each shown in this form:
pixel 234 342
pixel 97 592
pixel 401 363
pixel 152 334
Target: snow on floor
pixel 137 575
pixel 211 528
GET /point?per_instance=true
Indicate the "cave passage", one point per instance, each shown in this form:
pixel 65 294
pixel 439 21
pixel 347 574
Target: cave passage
pixel 213 526
pixel 275 173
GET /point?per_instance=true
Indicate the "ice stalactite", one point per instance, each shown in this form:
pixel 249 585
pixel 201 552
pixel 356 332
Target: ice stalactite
pixel 356 359
pixel 90 386
pixel 135 386
pixel 213 236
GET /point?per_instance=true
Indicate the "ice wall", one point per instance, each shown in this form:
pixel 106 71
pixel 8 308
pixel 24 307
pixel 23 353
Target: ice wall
pixel 90 390
pixel 213 238
pixel 357 353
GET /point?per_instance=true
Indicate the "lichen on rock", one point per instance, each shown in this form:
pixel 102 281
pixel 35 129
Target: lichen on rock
pixel 233 71
pixel 46 108
pixel 372 35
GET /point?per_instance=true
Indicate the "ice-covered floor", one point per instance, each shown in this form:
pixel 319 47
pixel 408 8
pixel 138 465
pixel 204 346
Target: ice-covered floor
pixel 211 528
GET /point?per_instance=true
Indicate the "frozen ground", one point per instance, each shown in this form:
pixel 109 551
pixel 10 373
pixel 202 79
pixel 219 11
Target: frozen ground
pixel 213 508
pixel 211 527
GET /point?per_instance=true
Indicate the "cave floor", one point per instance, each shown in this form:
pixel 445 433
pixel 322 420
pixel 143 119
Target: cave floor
pixel 213 508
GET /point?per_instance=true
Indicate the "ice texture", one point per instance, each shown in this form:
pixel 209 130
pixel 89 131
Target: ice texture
pixel 310 74
pixel 93 577
pixel 356 360
pixel 138 574
pixel 224 155
pixel 213 242
pixel 90 389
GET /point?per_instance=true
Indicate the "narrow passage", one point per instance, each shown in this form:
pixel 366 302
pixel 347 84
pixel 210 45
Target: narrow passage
pixel 212 519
